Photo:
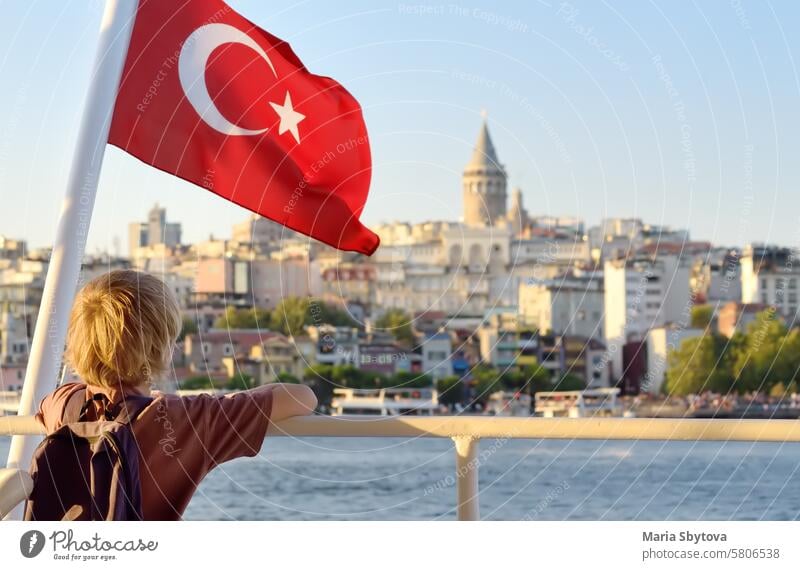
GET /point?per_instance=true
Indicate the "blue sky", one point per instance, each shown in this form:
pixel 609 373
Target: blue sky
pixel 681 113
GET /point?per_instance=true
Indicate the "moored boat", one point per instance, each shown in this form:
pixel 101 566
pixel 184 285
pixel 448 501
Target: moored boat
pixel 385 402
pixel 596 402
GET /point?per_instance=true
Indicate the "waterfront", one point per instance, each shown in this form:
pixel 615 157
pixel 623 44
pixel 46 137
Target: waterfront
pixel 393 478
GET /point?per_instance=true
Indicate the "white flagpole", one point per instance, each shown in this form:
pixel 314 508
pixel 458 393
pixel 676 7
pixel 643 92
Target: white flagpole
pixel 73 225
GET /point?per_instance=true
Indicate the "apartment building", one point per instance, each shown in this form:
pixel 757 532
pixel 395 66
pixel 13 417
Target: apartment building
pixel 643 293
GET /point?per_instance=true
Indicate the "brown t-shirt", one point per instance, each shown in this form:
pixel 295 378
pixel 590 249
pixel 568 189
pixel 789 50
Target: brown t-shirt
pixel 181 439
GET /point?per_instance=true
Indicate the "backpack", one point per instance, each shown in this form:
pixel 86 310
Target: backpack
pixel 89 470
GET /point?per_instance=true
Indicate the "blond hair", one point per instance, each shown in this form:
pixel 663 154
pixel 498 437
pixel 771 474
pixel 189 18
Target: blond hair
pixel 122 329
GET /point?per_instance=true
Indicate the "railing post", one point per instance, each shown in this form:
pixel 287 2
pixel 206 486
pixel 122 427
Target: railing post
pixel 467 477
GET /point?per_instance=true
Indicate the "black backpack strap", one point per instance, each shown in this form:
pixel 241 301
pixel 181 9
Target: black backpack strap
pixel 78 404
pixel 75 407
pixel 123 411
pixel 127 410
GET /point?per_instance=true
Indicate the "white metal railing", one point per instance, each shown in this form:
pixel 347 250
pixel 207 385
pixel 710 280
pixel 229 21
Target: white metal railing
pixel 467 431
pixel 9 401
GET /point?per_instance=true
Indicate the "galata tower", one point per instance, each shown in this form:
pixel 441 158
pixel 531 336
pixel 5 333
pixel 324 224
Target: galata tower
pixel 484 184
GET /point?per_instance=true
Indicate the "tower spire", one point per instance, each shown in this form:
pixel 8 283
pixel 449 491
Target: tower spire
pixel 483 154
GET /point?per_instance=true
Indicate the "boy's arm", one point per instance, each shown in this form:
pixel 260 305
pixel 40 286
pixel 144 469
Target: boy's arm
pixel 290 400
pixel 234 425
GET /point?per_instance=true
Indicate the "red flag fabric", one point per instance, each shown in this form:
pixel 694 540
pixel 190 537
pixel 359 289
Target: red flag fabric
pixel 208 96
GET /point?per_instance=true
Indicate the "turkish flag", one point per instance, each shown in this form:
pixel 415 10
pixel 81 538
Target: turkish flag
pixel 208 96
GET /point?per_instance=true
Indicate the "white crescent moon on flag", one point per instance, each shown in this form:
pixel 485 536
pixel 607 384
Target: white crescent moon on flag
pixel 192 72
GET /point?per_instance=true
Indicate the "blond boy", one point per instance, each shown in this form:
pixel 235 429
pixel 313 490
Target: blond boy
pixel 122 332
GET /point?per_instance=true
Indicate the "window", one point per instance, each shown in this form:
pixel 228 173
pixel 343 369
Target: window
pixel 764 299
pixel 763 283
pixel 227 350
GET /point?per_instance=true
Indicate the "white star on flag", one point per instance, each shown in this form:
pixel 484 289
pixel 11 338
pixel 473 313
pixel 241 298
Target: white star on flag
pixel 289 117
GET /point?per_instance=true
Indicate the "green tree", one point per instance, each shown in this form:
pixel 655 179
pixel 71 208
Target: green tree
pixel 188 326
pixel 485 381
pixel 405 379
pixel 348 376
pixel 736 362
pixel 240 382
pixel 294 313
pixel 290 316
pixel 531 379
pixel 699 364
pixel 569 382
pixel 252 318
pixel 702 316
pixel 511 378
pixel 373 381
pixel 197 383
pixel 397 323
pixel 785 363
pixel 766 355
pixel 451 390
pixel 286 378
pixel 329 314
pixel 765 358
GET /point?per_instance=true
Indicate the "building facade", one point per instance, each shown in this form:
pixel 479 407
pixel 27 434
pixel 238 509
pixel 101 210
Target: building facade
pixel 569 305
pixel 771 276
pixel 156 230
pixel 641 294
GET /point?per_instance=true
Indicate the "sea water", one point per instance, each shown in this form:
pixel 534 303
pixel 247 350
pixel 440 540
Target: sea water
pixel 412 479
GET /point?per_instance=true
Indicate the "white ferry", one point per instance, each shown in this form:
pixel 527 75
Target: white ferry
pixel 590 403
pixel 385 402
pixel 504 404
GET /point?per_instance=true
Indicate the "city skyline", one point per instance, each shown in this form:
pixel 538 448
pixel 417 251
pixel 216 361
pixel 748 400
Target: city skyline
pixel 483 207
pixel 674 121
